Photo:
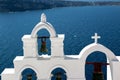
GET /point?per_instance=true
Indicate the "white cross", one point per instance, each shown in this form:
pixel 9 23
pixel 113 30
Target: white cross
pixel 96 37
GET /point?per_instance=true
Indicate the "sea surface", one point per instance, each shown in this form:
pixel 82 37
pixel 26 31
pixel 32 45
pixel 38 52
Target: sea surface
pixel 77 23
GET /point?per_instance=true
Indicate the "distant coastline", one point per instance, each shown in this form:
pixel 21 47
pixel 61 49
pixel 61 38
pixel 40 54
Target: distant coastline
pixel 21 5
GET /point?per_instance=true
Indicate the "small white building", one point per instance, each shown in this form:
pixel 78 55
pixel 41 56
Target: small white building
pixel 74 66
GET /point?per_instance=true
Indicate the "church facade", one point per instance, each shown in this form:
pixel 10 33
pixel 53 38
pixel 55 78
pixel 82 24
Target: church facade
pixel 72 65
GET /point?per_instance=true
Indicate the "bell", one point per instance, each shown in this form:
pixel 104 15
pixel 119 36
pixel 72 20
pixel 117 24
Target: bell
pixel 98 76
pixel 29 77
pixel 43 45
pixel 59 76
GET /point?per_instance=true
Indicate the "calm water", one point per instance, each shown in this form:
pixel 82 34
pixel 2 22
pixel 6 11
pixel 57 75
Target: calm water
pixel 77 23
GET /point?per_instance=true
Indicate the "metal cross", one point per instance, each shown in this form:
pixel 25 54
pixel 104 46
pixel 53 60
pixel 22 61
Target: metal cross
pixel 96 37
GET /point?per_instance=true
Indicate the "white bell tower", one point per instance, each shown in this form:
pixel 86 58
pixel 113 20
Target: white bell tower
pixel 30 44
pixel 72 65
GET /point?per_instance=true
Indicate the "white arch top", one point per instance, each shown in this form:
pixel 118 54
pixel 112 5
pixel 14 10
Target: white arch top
pixel 43 25
pixel 28 66
pixel 59 66
pixel 97 47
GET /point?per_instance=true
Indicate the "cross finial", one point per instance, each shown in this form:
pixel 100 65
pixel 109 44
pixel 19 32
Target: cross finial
pixel 43 18
pixel 96 37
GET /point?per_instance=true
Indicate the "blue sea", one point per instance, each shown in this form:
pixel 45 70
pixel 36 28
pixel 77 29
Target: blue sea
pixel 77 23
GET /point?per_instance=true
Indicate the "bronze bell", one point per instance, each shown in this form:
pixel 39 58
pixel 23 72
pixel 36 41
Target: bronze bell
pixel 59 76
pixel 29 77
pixel 98 76
pixel 43 45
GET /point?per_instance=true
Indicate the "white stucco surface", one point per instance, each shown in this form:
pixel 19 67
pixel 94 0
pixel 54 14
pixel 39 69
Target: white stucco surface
pixel 118 57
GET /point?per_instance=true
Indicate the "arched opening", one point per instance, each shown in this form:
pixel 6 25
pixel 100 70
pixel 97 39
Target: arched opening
pixel 47 27
pixel 58 74
pixel 28 74
pixel 43 34
pixel 92 60
pixel 93 48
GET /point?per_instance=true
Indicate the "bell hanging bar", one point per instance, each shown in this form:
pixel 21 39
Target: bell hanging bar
pixel 43 37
